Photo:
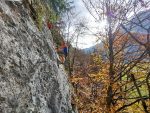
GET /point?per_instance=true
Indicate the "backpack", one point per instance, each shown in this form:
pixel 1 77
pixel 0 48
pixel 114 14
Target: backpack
pixel 65 50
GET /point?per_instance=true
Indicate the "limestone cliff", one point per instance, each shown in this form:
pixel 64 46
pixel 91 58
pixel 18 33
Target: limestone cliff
pixel 30 80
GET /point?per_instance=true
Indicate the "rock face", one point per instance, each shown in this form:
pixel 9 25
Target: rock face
pixel 30 80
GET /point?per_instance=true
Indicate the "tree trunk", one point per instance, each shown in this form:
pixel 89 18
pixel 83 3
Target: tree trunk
pixel 140 95
pixel 109 98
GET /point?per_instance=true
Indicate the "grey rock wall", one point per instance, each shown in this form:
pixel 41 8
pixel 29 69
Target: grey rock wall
pixel 30 81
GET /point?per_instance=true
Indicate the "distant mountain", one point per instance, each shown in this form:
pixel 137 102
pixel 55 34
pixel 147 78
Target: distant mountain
pixel 93 48
pixel 138 24
pixel 89 50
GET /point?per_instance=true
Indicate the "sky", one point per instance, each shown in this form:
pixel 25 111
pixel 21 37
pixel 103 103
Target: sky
pixel 86 41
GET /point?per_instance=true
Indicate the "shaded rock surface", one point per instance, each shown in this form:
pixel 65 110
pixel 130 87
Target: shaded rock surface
pixel 30 80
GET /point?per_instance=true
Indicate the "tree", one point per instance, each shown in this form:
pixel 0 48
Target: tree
pixel 74 28
pixel 116 12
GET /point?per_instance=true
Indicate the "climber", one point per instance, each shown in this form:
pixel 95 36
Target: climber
pixel 50 25
pixel 62 51
pixel 64 47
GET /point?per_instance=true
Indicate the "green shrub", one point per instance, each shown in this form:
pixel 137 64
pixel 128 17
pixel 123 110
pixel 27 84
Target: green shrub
pixel 40 14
